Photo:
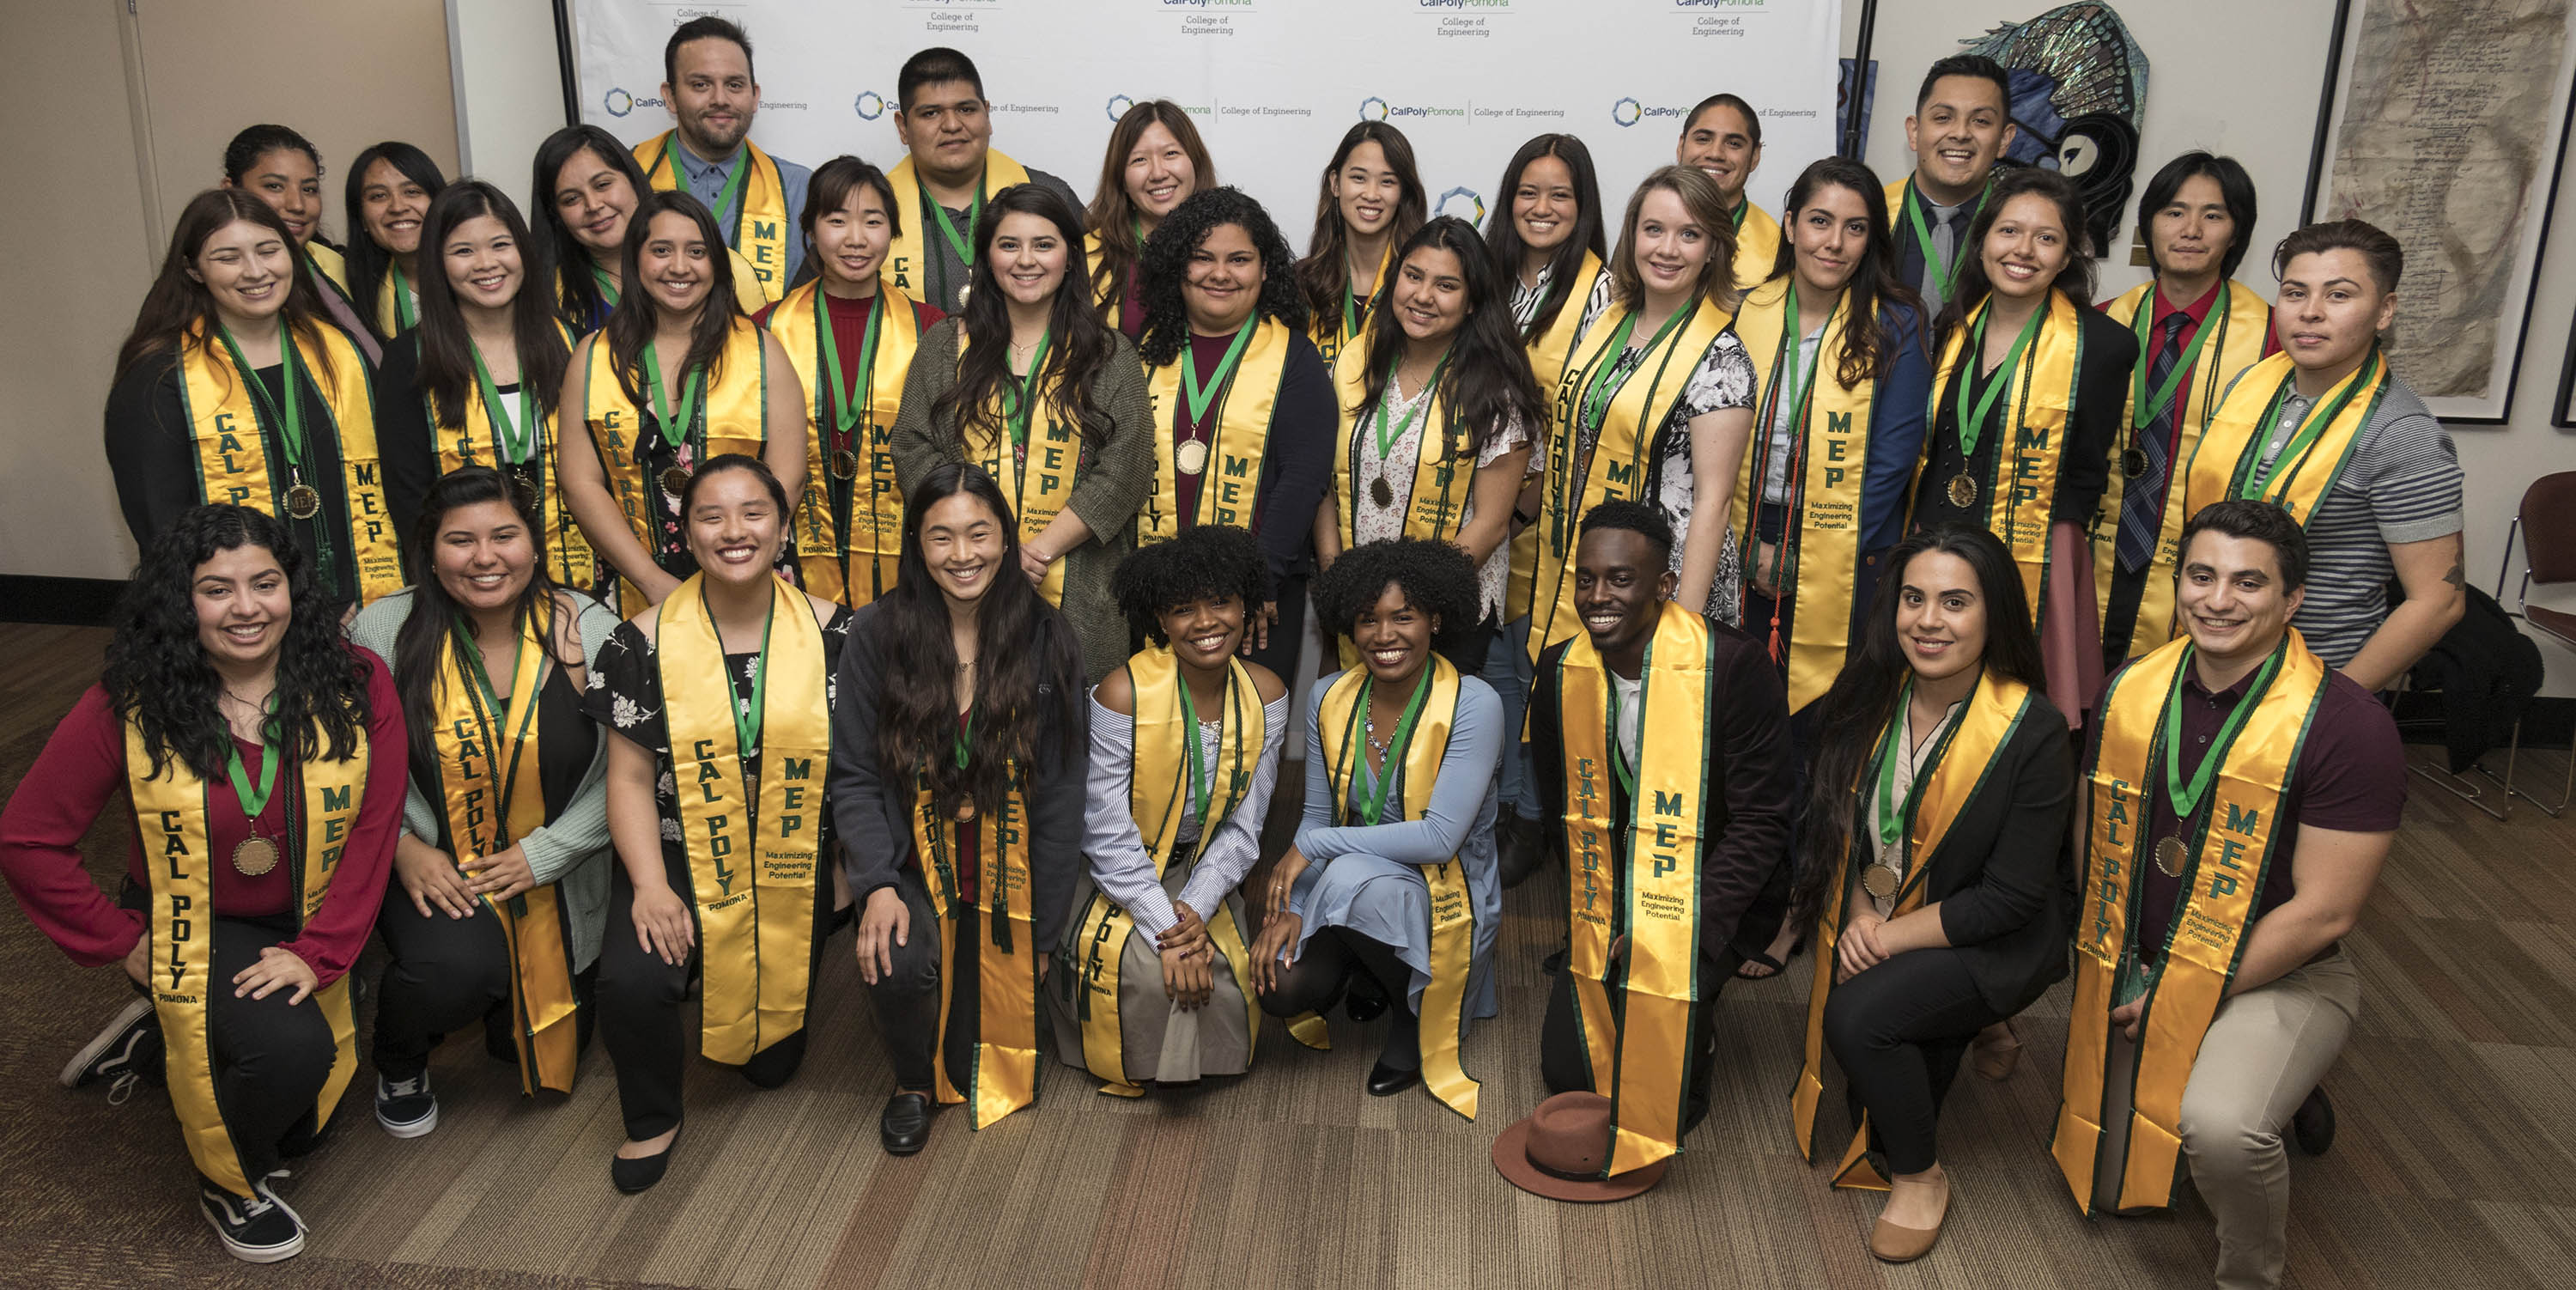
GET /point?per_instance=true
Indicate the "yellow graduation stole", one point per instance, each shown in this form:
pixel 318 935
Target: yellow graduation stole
pixel 732 417
pixel 1331 330
pixel 1638 1046
pixel 1160 791
pixel 1038 477
pixel 1112 295
pixel 2034 430
pixel 1004 1076
pixel 761 222
pixel 756 942
pixel 2229 850
pixel 907 264
pixel 330 270
pixel 1960 760
pixel 1826 474
pixel 849 557
pixel 1237 444
pixel 2229 462
pixel 233 459
pixel 2243 322
pixel 170 815
pixel 1622 449
pixel 569 558
pixel 1757 247
pixel 1548 353
pixel 1453 914
pixel 491 794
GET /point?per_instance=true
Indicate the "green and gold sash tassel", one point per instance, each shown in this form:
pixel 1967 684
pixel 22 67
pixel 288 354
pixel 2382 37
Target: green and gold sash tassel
pixel 2231 815
pixel 753 841
pixel 1637 1041
pixel 1417 749
pixel 1004 1076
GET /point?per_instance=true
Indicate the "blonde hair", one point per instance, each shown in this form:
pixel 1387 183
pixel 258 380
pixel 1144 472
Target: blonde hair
pixel 1707 207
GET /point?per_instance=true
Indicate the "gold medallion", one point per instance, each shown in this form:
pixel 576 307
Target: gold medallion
pixel 675 480
pixel 2133 463
pixel 1881 881
pixel 255 856
pixel 1963 491
pixel 2169 857
pixel 523 488
pixel 1191 457
pixel 845 464
pixel 966 811
pixel 303 501
pixel 962 294
pixel 1381 491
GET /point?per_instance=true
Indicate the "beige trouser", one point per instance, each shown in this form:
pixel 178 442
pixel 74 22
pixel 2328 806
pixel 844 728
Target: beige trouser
pixel 2265 1050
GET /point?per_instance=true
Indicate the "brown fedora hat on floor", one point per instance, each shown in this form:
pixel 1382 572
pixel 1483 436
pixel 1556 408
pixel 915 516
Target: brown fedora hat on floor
pixel 1560 1150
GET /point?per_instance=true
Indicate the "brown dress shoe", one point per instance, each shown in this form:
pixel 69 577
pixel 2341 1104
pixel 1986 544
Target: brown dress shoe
pixel 1894 1244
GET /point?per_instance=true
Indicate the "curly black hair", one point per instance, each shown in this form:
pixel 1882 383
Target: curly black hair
pixel 157 675
pixel 1633 515
pixel 1436 578
pixel 1166 266
pixel 1205 560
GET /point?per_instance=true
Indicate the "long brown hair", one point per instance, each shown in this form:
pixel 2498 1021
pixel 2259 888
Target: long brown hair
pixel 632 323
pixel 367 261
pixel 1699 196
pixel 2073 281
pixel 1487 383
pixel 446 351
pixel 1080 344
pixel 1869 343
pixel 1503 236
pixel 1112 214
pixel 179 303
pixel 1325 273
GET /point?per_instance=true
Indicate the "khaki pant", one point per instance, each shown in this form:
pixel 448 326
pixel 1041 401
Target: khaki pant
pixel 2265 1050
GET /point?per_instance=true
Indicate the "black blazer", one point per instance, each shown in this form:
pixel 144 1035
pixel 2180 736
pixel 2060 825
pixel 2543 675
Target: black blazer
pixel 1751 782
pixel 873 816
pixel 2004 875
pixel 2093 429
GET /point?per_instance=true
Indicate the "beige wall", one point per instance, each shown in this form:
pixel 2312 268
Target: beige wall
pixel 136 111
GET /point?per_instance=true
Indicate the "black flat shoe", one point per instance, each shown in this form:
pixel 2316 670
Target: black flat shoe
pixel 1387 1081
pixel 639 1173
pixel 905 1126
pixel 1520 848
pixel 2313 1124
pixel 1363 1001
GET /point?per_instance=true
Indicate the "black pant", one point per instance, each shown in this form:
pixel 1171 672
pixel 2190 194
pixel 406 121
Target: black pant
pixel 444 975
pixel 1898 1031
pixel 1566 1067
pixel 907 999
pixel 270 1057
pixel 1333 960
pixel 2122 602
pixel 640 1015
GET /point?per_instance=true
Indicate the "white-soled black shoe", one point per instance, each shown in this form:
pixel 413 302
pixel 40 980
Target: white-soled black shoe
pixel 406 1107
pixel 258 1228
pixel 112 1051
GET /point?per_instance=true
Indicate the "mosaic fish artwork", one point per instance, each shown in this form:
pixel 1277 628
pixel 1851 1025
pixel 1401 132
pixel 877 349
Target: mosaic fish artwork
pixel 2079 93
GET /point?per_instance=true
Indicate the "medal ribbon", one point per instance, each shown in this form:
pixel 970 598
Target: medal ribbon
pixel 956 241
pixel 1199 780
pixel 1200 396
pixel 851 403
pixel 403 315
pixel 517 443
pixel 2151 407
pixel 1793 339
pixel 254 801
pixel 1972 427
pixel 2320 415
pixel 2186 797
pixel 732 190
pixel 1386 438
pixel 675 429
pixel 746 725
pixel 1020 397
pixel 1892 814
pixel 1374 807
pixel 490 704
pixel 1598 391
pixel 289 419
pixel 607 284
pixel 1944 273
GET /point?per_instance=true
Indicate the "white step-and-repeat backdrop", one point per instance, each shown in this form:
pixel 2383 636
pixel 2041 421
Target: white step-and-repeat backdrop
pixel 1271 84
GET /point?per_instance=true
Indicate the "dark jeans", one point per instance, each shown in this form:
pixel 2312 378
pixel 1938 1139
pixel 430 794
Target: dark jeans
pixel 446 974
pixel 1333 957
pixel 270 1058
pixel 1567 1068
pixel 1898 1031
pixel 640 1020
pixel 907 999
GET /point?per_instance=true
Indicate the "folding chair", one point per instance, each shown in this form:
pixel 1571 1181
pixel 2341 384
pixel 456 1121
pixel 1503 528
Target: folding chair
pixel 2547 525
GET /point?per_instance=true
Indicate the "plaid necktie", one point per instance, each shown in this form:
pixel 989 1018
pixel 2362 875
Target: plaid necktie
pixel 2142 502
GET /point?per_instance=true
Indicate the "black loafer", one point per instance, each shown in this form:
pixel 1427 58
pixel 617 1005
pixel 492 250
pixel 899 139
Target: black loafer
pixel 905 1126
pixel 1520 848
pixel 2312 1126
pixel 1387 1081
pixel 1363 1001
pixel 632 1175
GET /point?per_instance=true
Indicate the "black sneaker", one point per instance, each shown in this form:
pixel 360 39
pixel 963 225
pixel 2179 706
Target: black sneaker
pixel 406 1107
pixel 113 1051
pixel 255 1229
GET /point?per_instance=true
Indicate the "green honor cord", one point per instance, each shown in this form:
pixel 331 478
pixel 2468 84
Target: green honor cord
pixel 1019 397
pixel 1972 426
pixel 1891 812
pixel 1200 396
pixel 1374 809
pixel 2149 408
pixel 517 442
pixel 404 317
pixel 2320 416
pixel 675 429
pixel 2186 797
pixel 1387 438
pixel 607 284
pixel 850 403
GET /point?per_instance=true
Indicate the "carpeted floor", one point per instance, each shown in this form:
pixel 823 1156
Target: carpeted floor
pixel 2457 1095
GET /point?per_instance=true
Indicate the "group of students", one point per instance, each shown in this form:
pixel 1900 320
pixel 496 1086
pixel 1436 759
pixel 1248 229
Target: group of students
pixel 947 581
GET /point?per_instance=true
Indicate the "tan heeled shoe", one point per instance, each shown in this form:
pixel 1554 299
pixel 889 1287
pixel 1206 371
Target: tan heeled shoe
pixel 1994 1059
pixel 1892 1243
